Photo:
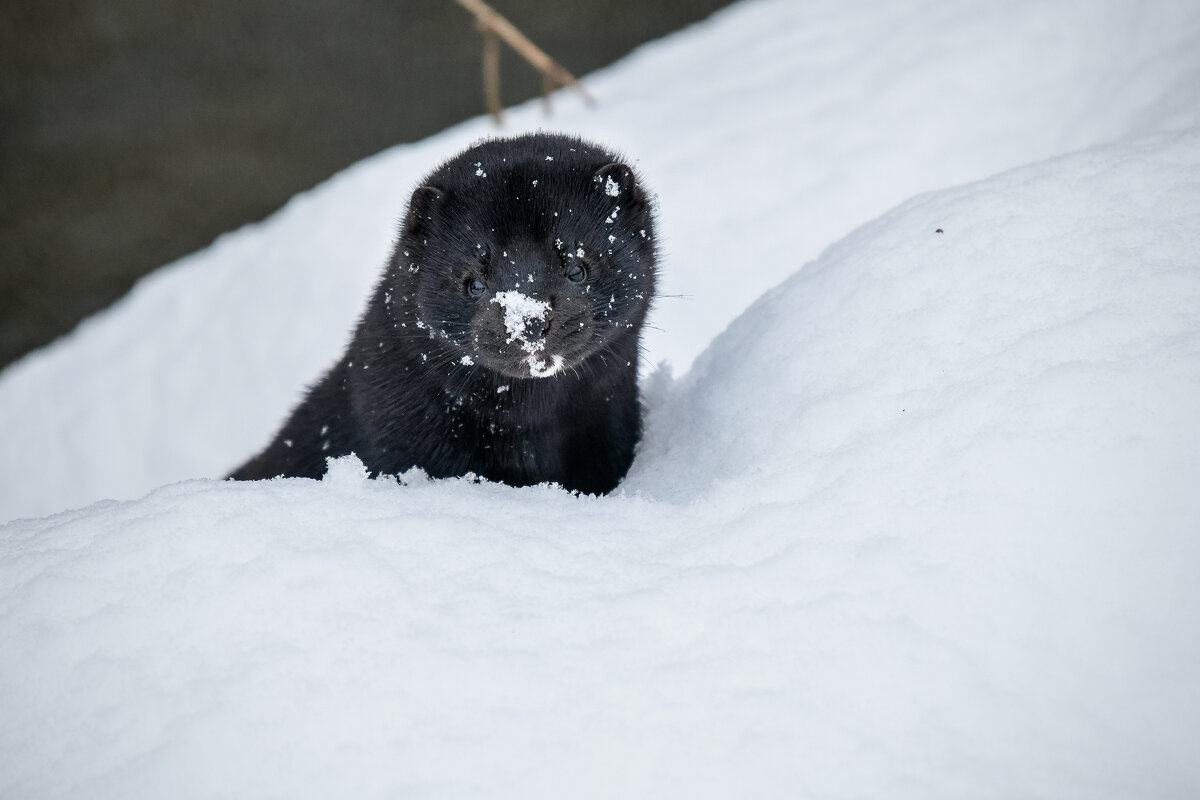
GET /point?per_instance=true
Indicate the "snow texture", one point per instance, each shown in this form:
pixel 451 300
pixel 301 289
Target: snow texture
pixel 519 311
pixel 919 521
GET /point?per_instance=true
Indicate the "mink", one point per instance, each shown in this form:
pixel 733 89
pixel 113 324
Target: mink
pixel 503 338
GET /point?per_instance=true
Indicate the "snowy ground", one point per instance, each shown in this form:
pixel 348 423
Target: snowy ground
pixel 921 522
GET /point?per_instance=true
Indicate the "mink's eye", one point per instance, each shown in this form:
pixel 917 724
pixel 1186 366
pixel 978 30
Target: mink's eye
pixel 577 273
pixel 475 287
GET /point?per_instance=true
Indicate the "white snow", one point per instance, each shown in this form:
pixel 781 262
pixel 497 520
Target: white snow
pixel 519 310
pixel 540 367
pixel 918 521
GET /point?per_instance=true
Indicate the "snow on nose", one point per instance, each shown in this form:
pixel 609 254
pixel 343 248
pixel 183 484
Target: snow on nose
pixel 525 318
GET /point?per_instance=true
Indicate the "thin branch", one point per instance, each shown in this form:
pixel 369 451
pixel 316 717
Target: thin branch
pixel 491 24
pixel 491 73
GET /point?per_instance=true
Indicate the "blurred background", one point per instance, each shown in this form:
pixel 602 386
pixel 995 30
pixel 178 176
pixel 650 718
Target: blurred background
pixel 133 132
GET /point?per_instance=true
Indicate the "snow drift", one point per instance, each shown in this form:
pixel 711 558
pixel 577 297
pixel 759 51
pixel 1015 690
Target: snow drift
pixel 921 522
pixel 928 509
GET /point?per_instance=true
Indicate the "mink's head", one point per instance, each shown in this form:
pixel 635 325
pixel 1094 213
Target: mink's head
pixel 528 256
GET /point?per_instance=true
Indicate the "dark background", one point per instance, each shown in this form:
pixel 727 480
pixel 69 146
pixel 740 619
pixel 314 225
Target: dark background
pixel 133 132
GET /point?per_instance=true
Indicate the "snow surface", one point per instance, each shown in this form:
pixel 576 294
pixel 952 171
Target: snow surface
pixel 921 522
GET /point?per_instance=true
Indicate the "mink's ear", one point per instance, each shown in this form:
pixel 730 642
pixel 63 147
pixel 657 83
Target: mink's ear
pixel 422 209
pixel 617 181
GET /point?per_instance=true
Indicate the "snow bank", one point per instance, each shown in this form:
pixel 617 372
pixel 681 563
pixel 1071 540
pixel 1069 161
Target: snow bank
pixel 921 523
pixel 769 133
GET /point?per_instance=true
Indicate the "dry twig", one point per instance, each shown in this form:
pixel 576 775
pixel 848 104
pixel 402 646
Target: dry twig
pixel 494 27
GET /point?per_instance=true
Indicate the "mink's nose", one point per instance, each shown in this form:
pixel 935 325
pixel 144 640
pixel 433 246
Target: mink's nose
pixel 536 328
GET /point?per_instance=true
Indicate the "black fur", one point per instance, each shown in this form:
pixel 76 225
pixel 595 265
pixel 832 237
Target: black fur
pixel 435 378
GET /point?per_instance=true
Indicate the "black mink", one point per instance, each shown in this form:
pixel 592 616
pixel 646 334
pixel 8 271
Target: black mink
pixel 503 338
